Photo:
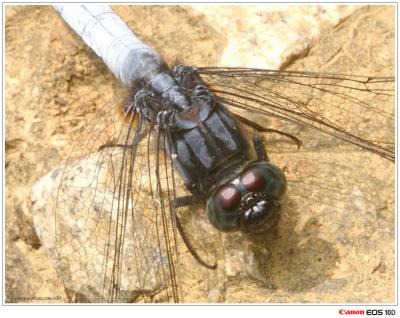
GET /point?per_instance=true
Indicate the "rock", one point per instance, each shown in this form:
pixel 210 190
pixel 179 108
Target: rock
pixel 337 222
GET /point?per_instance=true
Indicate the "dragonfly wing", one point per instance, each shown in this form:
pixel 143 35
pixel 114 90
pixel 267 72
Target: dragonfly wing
pixel 356 109
pixel 340 198
pixel 115 236
pixel 115 222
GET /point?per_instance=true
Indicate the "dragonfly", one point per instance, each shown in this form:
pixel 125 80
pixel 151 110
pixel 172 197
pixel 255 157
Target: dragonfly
pixel 138 215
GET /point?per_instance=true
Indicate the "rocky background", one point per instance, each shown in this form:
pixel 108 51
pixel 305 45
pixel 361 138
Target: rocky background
pixel 54 83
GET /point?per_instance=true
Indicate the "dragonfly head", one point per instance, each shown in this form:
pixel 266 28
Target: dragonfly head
pixel 250 201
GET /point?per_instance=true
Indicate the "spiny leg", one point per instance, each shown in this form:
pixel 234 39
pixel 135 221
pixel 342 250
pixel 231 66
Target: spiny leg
pixel 260 129
pixel 111 145
pixel 180 202
pixel 259 148
pixel 190 248
pixel 140 135
pixel 186 201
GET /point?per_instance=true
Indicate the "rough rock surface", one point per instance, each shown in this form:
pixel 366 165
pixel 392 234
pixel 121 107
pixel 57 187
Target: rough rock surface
pixel 333 244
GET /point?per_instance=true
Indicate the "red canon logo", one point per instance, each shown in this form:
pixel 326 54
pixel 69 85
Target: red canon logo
pixel 351 312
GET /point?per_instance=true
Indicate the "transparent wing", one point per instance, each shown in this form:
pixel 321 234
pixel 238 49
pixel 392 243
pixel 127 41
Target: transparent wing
pixel 337 219
pixel 356 109
pixel 116 226
pixel 115 222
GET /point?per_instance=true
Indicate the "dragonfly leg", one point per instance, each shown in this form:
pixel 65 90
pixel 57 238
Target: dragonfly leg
pixel 184 237
pixel 259 147
pixel 259 128
pixel 111 145
pixel 190 248
pixel 185 76
pixel 186 201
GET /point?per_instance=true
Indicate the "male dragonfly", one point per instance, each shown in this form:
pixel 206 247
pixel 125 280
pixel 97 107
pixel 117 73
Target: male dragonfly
pixel 189 137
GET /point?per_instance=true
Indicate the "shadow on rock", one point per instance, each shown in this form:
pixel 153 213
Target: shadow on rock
pixel 292 260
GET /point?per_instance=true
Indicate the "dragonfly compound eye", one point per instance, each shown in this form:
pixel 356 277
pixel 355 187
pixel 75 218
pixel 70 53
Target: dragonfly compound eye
pixel 264 184
pixel 264 177
pixel 253 181
pixel 250 202
pixel 223 208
